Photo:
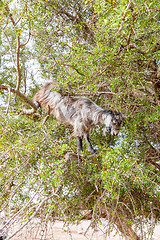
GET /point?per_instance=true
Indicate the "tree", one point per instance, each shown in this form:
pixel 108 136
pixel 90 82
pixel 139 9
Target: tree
pixel 108 51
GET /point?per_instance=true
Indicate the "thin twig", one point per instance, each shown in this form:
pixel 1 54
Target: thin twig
pixel 46 118
pixel 22 209
pixel 7 109
pixel 10 48
pixel 24 44
pixel 123 18
pixel 32 216
pixel 73 67
pixel 18 64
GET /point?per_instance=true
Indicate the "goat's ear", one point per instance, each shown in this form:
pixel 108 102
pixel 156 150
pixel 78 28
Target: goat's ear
pixel 122 119
pixel 118 115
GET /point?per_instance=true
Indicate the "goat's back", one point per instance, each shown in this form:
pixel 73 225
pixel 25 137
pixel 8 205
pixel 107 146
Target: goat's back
pixel 68 109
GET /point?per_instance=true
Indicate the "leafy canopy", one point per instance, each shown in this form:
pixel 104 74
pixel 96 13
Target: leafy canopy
pixel 107 51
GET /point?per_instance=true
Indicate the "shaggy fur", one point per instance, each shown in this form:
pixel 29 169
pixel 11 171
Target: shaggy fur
pixel 80 112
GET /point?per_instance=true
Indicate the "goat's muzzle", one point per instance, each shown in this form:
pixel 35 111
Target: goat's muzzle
pixel 115 132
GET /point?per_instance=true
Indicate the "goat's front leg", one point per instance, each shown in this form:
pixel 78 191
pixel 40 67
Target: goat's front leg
pixel 80 145
pixel 91 149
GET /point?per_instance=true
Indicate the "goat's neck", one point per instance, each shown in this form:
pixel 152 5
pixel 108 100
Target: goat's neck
pixel 105 119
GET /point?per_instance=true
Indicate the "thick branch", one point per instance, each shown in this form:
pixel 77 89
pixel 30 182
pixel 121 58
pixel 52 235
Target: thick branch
pixel 21 95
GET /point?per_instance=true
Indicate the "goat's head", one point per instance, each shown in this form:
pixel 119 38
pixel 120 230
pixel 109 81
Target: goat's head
pixel 113 123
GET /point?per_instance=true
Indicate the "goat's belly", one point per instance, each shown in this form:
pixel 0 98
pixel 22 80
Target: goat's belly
pixel 65 120
pixel 63 115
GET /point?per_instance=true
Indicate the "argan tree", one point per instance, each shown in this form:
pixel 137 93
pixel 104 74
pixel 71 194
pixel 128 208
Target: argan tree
pixel 109 52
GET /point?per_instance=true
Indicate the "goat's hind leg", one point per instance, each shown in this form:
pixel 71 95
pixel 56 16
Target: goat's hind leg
pixel 80 145
pixel 90 148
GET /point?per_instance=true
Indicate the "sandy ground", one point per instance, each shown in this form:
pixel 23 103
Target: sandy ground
pixel 57 231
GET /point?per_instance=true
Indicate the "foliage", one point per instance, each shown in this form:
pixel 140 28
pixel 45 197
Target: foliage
pixel 108 51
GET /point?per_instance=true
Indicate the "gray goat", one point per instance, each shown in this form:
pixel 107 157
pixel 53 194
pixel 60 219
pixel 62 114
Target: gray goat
pixel 80 112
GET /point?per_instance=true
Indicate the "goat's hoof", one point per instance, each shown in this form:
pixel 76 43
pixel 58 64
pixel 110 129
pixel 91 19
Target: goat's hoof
pixel 80 152
pixel 92 150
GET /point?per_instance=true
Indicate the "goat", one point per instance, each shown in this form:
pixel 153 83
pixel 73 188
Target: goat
pixel 80 112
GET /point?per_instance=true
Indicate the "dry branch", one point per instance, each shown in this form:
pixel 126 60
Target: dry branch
pixel 32 216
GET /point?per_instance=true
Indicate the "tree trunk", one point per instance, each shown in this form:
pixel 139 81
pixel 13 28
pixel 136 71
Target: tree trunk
pixel 125 228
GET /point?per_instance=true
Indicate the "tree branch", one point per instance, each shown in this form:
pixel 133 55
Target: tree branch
pixel 73 67
pixel 32 216
pixel 18 65
pixel 123 18
pixel 76 19
pixel 154 164
pixel 46 118
pixel 21 95
pixel 10 48
pixel 24 44
pixel 10 15
pixel 8 100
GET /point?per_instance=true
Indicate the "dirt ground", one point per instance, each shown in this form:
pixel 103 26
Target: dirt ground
pixel 57 231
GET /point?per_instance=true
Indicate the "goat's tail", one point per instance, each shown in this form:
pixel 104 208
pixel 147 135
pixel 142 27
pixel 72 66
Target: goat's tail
pixel 40 99
pixel 32 110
